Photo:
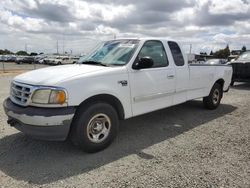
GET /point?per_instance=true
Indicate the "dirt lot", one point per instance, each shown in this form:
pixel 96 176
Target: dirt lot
pixel 181 146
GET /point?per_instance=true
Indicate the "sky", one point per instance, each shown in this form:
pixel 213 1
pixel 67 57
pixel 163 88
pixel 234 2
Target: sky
pixel 78 25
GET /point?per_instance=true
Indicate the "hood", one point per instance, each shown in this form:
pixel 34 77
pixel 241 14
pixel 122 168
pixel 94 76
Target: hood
pixel 51 75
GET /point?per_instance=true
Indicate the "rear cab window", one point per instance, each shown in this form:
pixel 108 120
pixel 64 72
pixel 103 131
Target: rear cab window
pixel 176 53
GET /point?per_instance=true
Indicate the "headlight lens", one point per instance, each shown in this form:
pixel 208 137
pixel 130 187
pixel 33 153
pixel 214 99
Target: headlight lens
pixel 49 96
pixel 57 97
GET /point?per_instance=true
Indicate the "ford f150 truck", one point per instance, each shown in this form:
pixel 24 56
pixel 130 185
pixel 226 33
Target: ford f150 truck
pixel 120 79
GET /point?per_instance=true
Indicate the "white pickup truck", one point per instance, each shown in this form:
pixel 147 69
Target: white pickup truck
pixel 119 80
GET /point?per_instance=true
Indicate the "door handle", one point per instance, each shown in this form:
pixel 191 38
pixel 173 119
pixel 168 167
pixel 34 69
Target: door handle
pixel 170 76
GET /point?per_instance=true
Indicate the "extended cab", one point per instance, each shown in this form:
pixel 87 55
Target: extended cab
pixel 120 79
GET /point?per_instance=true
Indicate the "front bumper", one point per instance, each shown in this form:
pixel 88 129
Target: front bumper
pixel 40 123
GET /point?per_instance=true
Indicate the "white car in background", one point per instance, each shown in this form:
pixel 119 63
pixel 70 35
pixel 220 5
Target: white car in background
pixel 60 60
pixel 53 60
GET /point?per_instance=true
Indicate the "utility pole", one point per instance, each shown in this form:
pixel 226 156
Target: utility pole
pixel 57 46
pixel 25 47
pixel 63 43
pixel 190 49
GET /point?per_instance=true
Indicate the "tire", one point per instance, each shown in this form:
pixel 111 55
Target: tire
pixel 94 127
pixel 212 101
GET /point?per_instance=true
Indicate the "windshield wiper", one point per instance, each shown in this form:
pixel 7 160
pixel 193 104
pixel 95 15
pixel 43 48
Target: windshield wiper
pixel 94 63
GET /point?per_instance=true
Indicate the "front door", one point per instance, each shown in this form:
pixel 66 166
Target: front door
pixel 152 88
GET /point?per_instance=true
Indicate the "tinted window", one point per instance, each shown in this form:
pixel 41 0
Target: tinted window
pixel 156 51
pixel 176 53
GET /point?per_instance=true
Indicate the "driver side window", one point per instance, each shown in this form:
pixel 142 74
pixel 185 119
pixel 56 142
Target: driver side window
pixel 155 50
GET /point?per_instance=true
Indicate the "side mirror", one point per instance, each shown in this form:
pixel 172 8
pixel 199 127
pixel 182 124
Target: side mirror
pixel 143 63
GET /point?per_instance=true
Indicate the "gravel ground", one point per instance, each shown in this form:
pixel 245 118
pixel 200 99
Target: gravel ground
pixel 181 146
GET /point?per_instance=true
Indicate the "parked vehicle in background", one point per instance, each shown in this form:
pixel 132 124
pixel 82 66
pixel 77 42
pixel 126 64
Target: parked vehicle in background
pixel 24 59
pixel 241 68
pixel 60 60
pixel 19 59
pixel 120 79
pixel 3 58
pixel 75 59
pixel 53 60
pixel 216 61
pixel 39 59
pixel 10 58
pixel 7 58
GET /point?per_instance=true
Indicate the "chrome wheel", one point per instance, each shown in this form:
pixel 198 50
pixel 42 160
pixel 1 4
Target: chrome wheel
pixel 216 96
pixel 98 128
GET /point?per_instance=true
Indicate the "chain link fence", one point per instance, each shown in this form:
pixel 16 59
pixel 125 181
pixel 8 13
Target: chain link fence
pixel 12 66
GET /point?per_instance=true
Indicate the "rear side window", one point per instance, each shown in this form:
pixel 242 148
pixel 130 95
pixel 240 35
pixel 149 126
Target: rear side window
pixel 176 53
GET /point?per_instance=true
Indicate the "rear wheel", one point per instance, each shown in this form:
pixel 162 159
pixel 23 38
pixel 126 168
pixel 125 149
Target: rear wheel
pixel 94 127
pixel 212 101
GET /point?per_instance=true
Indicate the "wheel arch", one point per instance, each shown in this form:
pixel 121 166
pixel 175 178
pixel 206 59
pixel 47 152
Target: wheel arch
pixel 107 98
pixel 221 82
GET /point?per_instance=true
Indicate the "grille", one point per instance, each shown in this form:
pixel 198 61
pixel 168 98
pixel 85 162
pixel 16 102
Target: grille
pixel 20 93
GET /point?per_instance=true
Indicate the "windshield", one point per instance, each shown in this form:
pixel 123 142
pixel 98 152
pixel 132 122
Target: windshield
pixel 115 52
pixel 244 56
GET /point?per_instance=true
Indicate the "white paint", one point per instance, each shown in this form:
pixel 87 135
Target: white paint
pixel 41 120
pixel 147 89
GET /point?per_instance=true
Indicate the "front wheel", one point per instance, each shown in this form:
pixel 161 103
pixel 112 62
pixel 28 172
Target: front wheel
pixel 94 127
pixel 212 101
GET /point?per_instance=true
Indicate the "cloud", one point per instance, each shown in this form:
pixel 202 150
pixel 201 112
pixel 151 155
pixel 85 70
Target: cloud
pixel 206 24
pixel 212 14
pixel 49 12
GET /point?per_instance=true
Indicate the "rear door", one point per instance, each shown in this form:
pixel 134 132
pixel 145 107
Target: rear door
pixel 181 73
pixel 152 88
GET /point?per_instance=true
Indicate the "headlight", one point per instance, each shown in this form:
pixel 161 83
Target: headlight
pixel 49 96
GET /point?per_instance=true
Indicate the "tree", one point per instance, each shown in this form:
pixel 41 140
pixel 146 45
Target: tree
pixel 227 52
pixel 211 53
pixel 33 54
pixel 21 52
pixel 222 53
pixel 5 52
pixel 243 49
pixel 203 53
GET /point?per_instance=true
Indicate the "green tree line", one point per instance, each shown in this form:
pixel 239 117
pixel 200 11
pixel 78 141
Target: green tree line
pixel 224 53
pixel 21 52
